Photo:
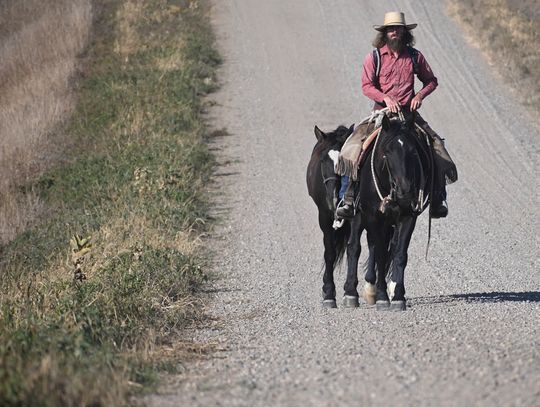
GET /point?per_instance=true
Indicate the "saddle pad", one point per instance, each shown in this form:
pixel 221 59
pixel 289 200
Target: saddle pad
pixel 352 151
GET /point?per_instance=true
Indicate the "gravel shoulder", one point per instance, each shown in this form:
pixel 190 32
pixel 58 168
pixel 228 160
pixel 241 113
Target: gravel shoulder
pixel 470 336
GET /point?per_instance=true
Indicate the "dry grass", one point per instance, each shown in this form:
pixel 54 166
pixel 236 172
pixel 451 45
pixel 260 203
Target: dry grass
pixel 89 323
pixel 128 37
pixel 508 33
pixel 40 41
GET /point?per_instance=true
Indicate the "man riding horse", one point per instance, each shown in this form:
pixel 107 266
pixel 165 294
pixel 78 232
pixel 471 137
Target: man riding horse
pixel 388 80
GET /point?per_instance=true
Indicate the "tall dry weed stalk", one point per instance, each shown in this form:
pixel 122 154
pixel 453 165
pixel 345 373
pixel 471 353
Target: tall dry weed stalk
pixel 39 44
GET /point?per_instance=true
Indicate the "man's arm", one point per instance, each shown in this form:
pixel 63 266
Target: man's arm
pixel 369 82
pixel 370 85
pixel 426 76
pixel 428 79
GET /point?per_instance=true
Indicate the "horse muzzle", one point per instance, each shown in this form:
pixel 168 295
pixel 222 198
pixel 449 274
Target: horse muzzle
pixel 397 203
pixel 332 203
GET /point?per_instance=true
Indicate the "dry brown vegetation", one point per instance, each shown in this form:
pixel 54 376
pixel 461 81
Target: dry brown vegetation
pixel 508 33
pixel 39 44
pixel 95 297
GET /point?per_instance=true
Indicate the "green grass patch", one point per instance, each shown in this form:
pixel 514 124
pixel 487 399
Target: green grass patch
pixel 83 325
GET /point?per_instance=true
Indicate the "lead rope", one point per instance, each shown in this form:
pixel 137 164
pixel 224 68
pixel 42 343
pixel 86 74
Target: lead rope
pixel 430 196
pixel 431 192
pixel 373 167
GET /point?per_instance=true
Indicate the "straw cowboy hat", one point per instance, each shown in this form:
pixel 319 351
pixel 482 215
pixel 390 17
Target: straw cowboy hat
pixel 394 18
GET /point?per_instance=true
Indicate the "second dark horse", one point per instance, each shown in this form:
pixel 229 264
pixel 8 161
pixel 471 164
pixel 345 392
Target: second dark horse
pixel 323 186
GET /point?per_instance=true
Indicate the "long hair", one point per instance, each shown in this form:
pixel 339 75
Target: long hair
pixel 380 39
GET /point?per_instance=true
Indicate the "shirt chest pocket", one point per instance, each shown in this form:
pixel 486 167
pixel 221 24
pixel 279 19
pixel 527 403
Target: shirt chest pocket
pixel 396 74
pixel 386 76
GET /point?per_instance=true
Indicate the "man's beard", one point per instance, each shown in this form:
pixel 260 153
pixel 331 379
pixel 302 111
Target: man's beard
pixel 395 44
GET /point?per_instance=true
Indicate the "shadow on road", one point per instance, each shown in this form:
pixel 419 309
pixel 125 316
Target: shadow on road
pixel 496 296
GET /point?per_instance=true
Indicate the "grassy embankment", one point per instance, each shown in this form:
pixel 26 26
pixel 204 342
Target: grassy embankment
pixel 508 33
pixel 88 322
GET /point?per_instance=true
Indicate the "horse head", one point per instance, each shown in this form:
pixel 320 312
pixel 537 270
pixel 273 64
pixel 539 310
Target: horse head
pixel 402 166
pixel 323 182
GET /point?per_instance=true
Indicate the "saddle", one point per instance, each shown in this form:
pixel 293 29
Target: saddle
pixel 354 151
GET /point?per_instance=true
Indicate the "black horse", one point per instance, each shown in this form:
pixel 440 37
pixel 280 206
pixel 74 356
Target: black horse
pixel 323 187
pixel 393 189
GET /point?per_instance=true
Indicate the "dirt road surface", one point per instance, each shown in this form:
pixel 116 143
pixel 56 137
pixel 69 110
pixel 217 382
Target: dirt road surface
pixel 470 335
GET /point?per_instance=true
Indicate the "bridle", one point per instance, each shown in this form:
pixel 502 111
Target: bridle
pixel 328 179
pixel 421 200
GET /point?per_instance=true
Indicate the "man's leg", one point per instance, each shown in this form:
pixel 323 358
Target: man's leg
pixel 344 185
pixel 445 170
pixel 345 210
pixel 439 207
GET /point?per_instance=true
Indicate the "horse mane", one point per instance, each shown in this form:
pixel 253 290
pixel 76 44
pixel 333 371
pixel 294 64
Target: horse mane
pixel 333 138
pixel 340 134
pixel 395 128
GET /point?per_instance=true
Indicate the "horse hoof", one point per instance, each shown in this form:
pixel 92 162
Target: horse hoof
pixel 369 293
pixel 350 301
pixel 329 304
pixel 398 305
pixel 382 305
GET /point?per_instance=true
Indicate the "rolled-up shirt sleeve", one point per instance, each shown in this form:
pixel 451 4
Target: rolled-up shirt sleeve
pixel 369 82
pixel 426 76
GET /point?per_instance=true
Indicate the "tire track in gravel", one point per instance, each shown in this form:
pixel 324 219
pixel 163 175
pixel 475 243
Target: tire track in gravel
pixel 470 336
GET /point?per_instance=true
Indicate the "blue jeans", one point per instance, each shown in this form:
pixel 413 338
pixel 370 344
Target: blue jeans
pixel 344 185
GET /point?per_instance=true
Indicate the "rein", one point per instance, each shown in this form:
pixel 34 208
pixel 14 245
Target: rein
pixel 373 169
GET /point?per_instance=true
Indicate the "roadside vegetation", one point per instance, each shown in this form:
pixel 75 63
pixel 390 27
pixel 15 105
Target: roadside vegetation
pixel 508 33
pixel 96 291
pixel 35 96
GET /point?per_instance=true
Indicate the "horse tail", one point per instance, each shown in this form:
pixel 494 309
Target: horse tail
pixel 391 252
pixel 341 239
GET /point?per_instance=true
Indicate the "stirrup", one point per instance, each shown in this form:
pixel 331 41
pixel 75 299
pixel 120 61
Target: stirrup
pixel 345 211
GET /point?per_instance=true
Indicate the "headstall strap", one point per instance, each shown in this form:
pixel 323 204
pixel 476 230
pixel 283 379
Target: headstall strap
pixel 331 178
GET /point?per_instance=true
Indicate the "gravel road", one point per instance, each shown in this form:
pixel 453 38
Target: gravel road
pixel 470 335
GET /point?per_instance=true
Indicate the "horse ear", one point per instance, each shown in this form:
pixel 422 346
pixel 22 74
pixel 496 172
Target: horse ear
pixel 385 122
pixel 319 134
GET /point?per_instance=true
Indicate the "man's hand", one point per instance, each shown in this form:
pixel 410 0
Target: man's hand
pixel 416 102
pixel 392 104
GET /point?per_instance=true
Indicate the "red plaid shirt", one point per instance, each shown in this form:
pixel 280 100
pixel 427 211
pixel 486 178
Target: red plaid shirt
pixel 396 77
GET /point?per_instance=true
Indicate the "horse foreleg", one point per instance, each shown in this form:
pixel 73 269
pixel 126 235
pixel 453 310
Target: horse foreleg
pixel 329 288
pixel 330 254
pixel 404 231
pixel 350 298
pixel 379 235
pixel 370 290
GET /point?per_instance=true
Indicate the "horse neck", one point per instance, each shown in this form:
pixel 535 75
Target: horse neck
pixel 314 174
